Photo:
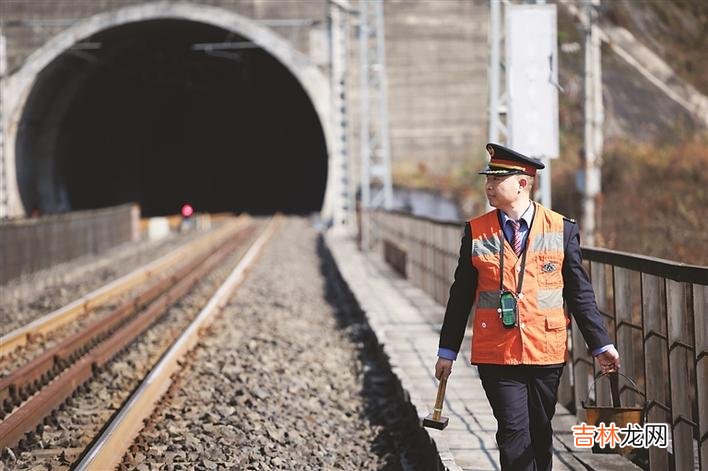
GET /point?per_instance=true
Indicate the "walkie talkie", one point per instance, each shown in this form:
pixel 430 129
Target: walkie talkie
pixel 508 309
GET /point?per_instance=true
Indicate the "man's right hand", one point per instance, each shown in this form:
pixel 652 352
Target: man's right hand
pixel 443 368
pixel 609 360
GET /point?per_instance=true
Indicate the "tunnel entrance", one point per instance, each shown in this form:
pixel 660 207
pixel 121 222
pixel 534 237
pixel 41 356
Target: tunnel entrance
pixel 150 112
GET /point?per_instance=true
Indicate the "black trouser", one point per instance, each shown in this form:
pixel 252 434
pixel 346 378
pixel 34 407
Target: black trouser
pixel 523 399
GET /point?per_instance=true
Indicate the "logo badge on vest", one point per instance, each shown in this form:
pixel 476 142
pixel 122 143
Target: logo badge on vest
pixel 549 267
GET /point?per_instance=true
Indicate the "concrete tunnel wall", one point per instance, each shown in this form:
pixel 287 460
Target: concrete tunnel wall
pixel 31 93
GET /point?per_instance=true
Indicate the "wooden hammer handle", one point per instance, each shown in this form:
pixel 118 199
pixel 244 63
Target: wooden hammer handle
pixel 437 411
pixel 614 389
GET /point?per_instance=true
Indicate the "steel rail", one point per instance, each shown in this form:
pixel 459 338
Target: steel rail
pixel 27 379
pixel 109 448
pixel 100 296
pixel 34 411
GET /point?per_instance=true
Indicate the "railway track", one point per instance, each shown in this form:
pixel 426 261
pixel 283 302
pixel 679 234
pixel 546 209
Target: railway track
pixel 27 335
pixel 31 394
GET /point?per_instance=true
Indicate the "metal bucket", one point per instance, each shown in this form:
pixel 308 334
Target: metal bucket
pixel 621 416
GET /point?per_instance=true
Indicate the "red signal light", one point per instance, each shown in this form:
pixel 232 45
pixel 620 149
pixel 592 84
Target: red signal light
pixel 187 210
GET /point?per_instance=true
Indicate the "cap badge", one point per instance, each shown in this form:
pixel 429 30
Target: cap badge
pixel 490 149
pixel 549 267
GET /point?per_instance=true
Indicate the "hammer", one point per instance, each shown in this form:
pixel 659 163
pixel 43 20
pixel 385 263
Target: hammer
pixel 436 420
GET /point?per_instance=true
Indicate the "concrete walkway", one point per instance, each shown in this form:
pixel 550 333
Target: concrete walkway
pixel 407 323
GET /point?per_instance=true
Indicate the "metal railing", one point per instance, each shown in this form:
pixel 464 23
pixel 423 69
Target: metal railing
pixel 28 245
pixel 654 309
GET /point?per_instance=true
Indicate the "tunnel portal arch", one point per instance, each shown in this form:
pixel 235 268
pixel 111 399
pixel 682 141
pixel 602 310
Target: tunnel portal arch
pixel 19 85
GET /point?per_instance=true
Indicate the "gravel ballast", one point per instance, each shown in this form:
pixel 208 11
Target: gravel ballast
pixel 289 377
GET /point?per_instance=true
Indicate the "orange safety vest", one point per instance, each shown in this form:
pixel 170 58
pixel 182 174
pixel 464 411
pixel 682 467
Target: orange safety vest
pixel 540 336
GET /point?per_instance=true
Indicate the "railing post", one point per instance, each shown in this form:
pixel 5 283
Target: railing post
pixel 628 332
pixel 681 360
pixel 656 360
pixel 700 311
pixel 582 370
pixel 439 264
pixel 604 292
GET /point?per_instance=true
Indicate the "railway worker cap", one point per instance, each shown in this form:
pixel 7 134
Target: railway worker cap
pixel 505 161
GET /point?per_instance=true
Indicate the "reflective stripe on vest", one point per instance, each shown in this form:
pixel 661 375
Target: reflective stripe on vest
pixel 540 337
pixel 547 242
pixel 547 299
pixel 486 246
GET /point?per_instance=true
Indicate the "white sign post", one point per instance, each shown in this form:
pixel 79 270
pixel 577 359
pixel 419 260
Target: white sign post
pixel 532 85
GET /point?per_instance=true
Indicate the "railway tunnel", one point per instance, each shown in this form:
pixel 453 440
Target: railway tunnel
pixel 150 112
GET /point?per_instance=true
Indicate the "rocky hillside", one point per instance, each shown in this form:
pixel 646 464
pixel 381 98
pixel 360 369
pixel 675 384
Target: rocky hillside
pixel 674 29
pixel 655 150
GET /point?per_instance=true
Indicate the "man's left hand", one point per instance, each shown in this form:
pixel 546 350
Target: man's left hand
pixel 609 361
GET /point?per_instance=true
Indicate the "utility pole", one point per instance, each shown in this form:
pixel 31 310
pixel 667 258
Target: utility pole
pixel 497 105
pixel 339 57
pixel 545 183
pixel 4 210
pixel 374 138
pixel 594 118
pixel 497 100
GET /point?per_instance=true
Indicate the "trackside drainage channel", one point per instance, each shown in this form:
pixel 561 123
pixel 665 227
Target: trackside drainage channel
pixel 401 443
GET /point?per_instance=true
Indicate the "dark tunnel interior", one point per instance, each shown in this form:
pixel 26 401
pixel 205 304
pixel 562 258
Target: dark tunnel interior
pixel 138 113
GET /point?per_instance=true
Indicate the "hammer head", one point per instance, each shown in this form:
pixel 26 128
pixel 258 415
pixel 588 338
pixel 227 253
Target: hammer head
pixel 439 424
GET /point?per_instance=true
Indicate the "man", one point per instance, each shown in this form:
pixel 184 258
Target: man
pixel 517 264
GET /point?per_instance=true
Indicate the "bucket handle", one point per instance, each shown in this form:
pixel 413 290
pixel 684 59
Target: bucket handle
pixel 594 383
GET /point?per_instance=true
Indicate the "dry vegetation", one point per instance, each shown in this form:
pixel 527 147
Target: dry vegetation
pixel 659 193
pixel 654 198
